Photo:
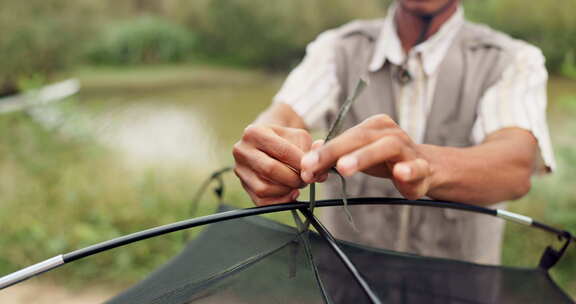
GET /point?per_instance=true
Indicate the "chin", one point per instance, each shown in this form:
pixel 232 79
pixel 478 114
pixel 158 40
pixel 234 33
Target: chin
pixel 423 7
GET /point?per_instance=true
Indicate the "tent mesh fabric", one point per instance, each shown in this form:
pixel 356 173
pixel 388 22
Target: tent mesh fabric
pixel 256 260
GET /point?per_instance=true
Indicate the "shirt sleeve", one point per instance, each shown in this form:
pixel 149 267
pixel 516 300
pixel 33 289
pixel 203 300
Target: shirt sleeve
pixel 518 99
pixel 312 88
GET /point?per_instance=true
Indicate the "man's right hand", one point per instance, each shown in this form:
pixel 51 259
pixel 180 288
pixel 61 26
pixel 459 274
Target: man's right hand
pixel 268 162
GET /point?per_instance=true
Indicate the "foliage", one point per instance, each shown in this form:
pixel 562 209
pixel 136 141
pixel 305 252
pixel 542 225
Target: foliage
pixel 549 25
pixel 249 38
pixel 41 37
pixel 568 68
pixel 264 33
pixel 275 33
pixel 59 193
pixel 46 36
pixel 142 40
pixel 553 201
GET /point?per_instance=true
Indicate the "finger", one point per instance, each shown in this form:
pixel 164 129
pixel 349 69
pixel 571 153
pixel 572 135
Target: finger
pixel 413 190
pixel 411 171
pixel 325 157
pixel 258 186
pixel 368 131
pixel 263 201
pixel 322 177
pixel 307 176
pixel 290 197
pixel 266 167
pixel 317 144
pixel 412 178
pixel 272 144
pixel 299 137
pixel 319 177
pixel 388 148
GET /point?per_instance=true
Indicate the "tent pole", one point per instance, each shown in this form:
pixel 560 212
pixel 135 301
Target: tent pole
pixel 31 271
pixel 213 218
pixel 304 235
pixel 343 257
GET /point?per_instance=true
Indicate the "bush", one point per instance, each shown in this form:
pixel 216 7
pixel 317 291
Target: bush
pixel 248 37
pixel 56 198
pixel 36 38
pixel 548 24
pixel 568 67
pixel 142 40
pixel 274 33
pixel 552 200
pixel 271 34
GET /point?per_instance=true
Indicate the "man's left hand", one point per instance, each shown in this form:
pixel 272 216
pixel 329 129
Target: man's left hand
pixel 377 147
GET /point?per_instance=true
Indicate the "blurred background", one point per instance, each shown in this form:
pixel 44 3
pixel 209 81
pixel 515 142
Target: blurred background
pixel 166 88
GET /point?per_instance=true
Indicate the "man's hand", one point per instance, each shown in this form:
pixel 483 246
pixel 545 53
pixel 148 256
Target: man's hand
pixel 271 164
pixel 377 147
pixel 268 161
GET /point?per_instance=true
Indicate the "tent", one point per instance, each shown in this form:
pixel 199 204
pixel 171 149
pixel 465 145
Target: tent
pixel 255 260
pixel 241 257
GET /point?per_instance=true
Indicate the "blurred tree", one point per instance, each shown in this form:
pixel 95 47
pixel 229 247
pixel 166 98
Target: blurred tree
pixel 41 37
pixel 548 24
pixel 141 40
pixel 46 36
pixel 152 7
pixel 275 33
pixel 266 33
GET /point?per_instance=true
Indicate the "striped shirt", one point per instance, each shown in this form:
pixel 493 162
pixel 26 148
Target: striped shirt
pixel 518 99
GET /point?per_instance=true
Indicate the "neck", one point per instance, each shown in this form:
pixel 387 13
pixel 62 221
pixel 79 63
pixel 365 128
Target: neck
pixel 409 26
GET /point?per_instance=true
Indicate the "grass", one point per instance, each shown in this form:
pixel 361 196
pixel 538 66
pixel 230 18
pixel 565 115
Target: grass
pixel 552 199
pixel 59 194
pixel 61 191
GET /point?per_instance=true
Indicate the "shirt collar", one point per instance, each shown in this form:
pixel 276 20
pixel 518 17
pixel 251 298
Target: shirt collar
pixel 433 50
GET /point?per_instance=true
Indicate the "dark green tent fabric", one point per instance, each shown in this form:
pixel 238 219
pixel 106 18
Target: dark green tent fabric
pixel 256 260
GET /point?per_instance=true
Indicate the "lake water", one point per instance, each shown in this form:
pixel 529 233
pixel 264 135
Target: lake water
pixel 192 115
pixel 180 115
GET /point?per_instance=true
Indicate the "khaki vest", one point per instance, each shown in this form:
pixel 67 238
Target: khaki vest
pixel 473 63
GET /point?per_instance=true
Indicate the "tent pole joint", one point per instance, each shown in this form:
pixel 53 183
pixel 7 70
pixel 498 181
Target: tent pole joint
pixel 31 271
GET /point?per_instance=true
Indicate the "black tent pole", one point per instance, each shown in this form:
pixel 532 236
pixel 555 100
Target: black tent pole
pixel 62 259
pixel 304 235
pixel 342 256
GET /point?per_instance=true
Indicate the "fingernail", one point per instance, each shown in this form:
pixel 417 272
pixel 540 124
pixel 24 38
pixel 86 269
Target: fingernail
pixel 318 143
pixel 348 164
pixel 404 171
pixel 306 176
pixel 310 160
pixel 294 195
pixel 323 178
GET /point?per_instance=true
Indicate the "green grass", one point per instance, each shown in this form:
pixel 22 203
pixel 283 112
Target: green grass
pixel 59 194
pixel 61 191
pixel 552 199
